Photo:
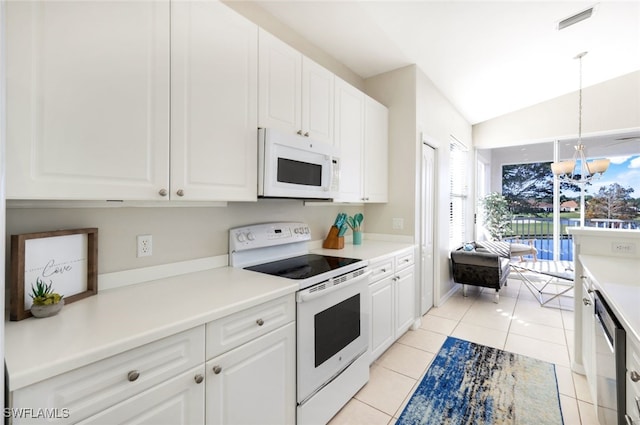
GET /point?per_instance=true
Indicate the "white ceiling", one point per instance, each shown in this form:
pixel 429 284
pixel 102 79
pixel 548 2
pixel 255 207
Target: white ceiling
pixel 487 57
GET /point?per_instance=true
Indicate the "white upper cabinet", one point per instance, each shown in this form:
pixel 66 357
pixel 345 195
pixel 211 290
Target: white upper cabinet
pixel 87 99
pixel 214 103
pixel 131 101
pixel 349 138
pixel 361 133
pixel 295 93
pixel 317 101
pixel 376 151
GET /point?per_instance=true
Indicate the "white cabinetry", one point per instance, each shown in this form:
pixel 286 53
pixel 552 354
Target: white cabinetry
pixel 393 300
pixel 131 101
pixel 87 99
pixel 251 373
pixel 633 380
pixel 375 152
pixel 254 383
pixel 177 401
pixel 361 134
pixel 214 96
pixel 104 391
pixel 588 334
pixel 295 93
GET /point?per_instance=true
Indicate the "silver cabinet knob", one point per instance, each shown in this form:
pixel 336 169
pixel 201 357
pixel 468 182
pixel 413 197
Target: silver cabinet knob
pixel 586 301
pixel 383 270
pixel 198 378
pixel 635 376
pixel 306 134
pixel 260 322
pixel 133 375
pixel 162 192
pixel 299 132
pixel 180 192
pixel 217 369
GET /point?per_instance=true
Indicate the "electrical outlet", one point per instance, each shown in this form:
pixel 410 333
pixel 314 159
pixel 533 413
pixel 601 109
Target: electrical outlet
pixel 623 247
pixel 397 224
pixel 145 246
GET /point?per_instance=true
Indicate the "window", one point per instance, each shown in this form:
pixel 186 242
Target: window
pixel 458 165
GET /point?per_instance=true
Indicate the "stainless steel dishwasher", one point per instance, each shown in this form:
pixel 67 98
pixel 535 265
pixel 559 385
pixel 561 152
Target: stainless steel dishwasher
pixel 610 365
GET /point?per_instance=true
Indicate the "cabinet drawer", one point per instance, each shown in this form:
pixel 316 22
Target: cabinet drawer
pixel 91 389
pixel 381 269
pixel 231 331
pixel 404 260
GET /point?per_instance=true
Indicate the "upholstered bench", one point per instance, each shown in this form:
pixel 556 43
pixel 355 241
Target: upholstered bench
pixel 483 264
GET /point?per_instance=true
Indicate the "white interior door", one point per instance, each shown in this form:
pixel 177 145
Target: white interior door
pixel 428 214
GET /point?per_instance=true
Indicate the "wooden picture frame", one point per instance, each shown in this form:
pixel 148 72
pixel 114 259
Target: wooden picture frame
pixel 68 259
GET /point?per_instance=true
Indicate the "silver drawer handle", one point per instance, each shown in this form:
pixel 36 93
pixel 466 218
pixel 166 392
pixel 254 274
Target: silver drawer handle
pixel 198 378
pixel 260 322
pixel 180 192
pixel 217 369
pixel 586 301
pixel 162 192
pixel 635 376
pixel 133 375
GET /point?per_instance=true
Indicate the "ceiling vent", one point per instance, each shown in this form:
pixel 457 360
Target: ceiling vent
pixel 574 19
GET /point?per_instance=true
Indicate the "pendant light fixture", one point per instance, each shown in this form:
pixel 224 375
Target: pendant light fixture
pixel 568 170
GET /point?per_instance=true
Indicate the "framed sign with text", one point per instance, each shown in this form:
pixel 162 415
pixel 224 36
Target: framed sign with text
pixel 66 259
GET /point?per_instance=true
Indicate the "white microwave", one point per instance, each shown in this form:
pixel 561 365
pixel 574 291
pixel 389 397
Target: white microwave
pixel 293 166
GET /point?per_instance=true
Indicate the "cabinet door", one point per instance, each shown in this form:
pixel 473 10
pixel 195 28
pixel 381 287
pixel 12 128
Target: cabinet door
pixel 376 150
pixel 349 135
pixel 382 317
pixel 317 101
pixel 177 401
pixel 214 97
pixel 87 99
pixel 254 383
pixel 405 291
pixel 279 84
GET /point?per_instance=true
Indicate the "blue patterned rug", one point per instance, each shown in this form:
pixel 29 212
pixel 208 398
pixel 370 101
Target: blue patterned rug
pixel 472 384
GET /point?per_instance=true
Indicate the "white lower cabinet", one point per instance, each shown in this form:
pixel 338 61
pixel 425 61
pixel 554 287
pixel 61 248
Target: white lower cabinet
pixel 393 298
pixel 633 380
pixel 254 383
pixel 249 378
pixel 178 401
pixel 94 388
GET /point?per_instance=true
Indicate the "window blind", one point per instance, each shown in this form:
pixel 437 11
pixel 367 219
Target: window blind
pixel 458 164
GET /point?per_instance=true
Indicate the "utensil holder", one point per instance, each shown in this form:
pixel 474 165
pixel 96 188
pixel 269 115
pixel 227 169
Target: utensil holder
pixel 333 241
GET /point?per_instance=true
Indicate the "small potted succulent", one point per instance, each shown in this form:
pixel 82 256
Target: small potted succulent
pixel 45 302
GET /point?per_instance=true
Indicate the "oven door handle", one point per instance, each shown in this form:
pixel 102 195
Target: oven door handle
pixel 308 296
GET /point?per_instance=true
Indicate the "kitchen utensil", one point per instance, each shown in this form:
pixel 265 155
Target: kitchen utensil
pixel 358 219
pixel 343 229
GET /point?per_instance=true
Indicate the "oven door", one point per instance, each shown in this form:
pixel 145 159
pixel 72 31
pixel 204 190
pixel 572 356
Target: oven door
pixel 332 331
pixel 292 166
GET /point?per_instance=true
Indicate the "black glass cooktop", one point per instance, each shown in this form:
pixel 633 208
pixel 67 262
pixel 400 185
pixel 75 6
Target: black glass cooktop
pixel 303 266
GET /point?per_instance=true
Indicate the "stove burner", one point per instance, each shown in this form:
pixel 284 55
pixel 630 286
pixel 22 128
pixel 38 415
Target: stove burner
pixel 303 266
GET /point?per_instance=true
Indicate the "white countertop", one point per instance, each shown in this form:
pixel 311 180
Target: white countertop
pixel 120 319
pixel 618 279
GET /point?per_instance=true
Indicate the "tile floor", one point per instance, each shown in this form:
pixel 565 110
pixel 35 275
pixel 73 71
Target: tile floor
pixel 517 324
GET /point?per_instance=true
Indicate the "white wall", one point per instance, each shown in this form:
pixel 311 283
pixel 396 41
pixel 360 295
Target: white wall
pixel 609 106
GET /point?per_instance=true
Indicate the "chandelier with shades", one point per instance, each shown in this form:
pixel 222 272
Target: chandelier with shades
pixel 568 170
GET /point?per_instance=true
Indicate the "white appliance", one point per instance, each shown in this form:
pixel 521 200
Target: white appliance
pixel 292 166
pixel 332 313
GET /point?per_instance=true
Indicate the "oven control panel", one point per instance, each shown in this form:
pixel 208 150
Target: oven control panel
pixel 267 234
